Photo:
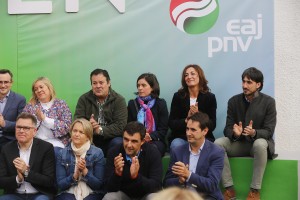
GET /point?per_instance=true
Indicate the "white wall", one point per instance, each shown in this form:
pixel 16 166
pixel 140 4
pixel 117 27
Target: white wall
pixel 287 78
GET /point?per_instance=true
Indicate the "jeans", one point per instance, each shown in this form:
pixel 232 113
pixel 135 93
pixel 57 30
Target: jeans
pixel 16 196
pixel 177 142
pixel 69 196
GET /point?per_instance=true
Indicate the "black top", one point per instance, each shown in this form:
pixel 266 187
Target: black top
pixel 179 110
pixel 149 179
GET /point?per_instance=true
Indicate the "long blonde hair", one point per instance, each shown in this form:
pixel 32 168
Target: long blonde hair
pixel 33 100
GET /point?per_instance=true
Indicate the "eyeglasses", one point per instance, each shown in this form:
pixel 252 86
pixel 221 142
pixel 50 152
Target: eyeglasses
pixel 4 82
pixel 24 128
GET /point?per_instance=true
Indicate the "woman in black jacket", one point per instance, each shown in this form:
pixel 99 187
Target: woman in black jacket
pixel 150 110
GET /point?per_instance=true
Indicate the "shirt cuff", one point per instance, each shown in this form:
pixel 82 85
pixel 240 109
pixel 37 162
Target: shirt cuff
pixel 19 183
pixel 49 122
pixel 187 180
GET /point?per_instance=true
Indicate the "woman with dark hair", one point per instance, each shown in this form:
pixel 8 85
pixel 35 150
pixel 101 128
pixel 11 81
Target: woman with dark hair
pixel 193 96
pixel 150 110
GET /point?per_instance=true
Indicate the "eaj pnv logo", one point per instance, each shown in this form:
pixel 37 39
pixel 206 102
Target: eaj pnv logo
pixel 194 16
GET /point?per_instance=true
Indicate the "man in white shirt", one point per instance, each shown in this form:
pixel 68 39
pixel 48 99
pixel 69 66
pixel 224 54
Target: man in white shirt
pixel 27 165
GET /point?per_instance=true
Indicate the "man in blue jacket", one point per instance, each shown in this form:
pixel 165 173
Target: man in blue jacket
pixel 198 164
pixel 11 105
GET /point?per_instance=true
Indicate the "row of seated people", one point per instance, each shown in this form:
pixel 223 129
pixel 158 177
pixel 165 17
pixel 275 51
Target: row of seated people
pixel 29 168
pixel 107 110
pixel 251 116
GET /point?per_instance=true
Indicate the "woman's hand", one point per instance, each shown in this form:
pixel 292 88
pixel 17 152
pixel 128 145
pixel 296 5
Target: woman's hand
pixel 39 114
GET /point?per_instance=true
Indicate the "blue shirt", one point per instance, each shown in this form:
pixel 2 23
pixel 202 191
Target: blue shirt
pixel 194 160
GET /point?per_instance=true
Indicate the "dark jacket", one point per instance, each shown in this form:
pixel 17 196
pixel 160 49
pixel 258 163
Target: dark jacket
pixel 42 167
pixel 14 106
pixel 114 109
pixel 262 111
pixel 160 115
pixel 180 107
pixel 149 177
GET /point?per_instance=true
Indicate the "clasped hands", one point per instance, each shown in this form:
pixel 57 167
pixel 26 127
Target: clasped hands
pixel 95 124
pixel 193 110
pixel 80 168
pixel 247 131
pixel 2 121
pixel 134 167
pixel 182 171
pixel 21 167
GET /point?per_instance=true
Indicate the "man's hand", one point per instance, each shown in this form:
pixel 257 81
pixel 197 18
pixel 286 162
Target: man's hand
pixel 148 137
pixel 181 170
pixel 238 129
pixel 119 164
pixel 40 115
pixel 248 130
pixel 2 121
pixel 135 167
pixel 95 125
pixel 21 167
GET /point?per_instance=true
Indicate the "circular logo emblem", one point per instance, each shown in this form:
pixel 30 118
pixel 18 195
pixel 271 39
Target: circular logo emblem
pixel 194 16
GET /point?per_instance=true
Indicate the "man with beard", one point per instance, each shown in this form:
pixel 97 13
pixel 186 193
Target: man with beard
pixel 250 124
pixel 106 110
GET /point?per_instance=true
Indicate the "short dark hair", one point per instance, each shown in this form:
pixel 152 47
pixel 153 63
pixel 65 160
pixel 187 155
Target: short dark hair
pixel 6 71
pixel 25 115
pixel 152 81
pixel 100 71
pixel 202 118
pixel 255 75
pixel 135 127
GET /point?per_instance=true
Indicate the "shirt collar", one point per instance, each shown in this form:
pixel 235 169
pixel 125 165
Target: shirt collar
pixel 6 97
pixel 199 150
pixel 128 158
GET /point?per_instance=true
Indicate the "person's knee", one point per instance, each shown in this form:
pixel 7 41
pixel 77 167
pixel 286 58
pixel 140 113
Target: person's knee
pixel 260 145
pixel 116 141
pixel 222 142
pixel 177 142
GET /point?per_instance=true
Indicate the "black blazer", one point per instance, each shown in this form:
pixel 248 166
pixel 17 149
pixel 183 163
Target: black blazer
pixel 42 167
pixel 180 107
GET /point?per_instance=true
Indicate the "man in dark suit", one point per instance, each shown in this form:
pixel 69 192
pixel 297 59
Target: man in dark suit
pixel 197 165
pixel 27 165
pixel 134 168
pixel 11 105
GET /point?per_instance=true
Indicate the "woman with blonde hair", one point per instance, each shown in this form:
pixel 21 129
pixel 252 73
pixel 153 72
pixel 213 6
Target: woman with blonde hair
pixel 53 115
pixel 176 193
pixel 80 166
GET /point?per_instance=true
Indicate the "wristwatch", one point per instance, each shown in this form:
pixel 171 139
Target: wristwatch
pixel 26 173
pixel 101 131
